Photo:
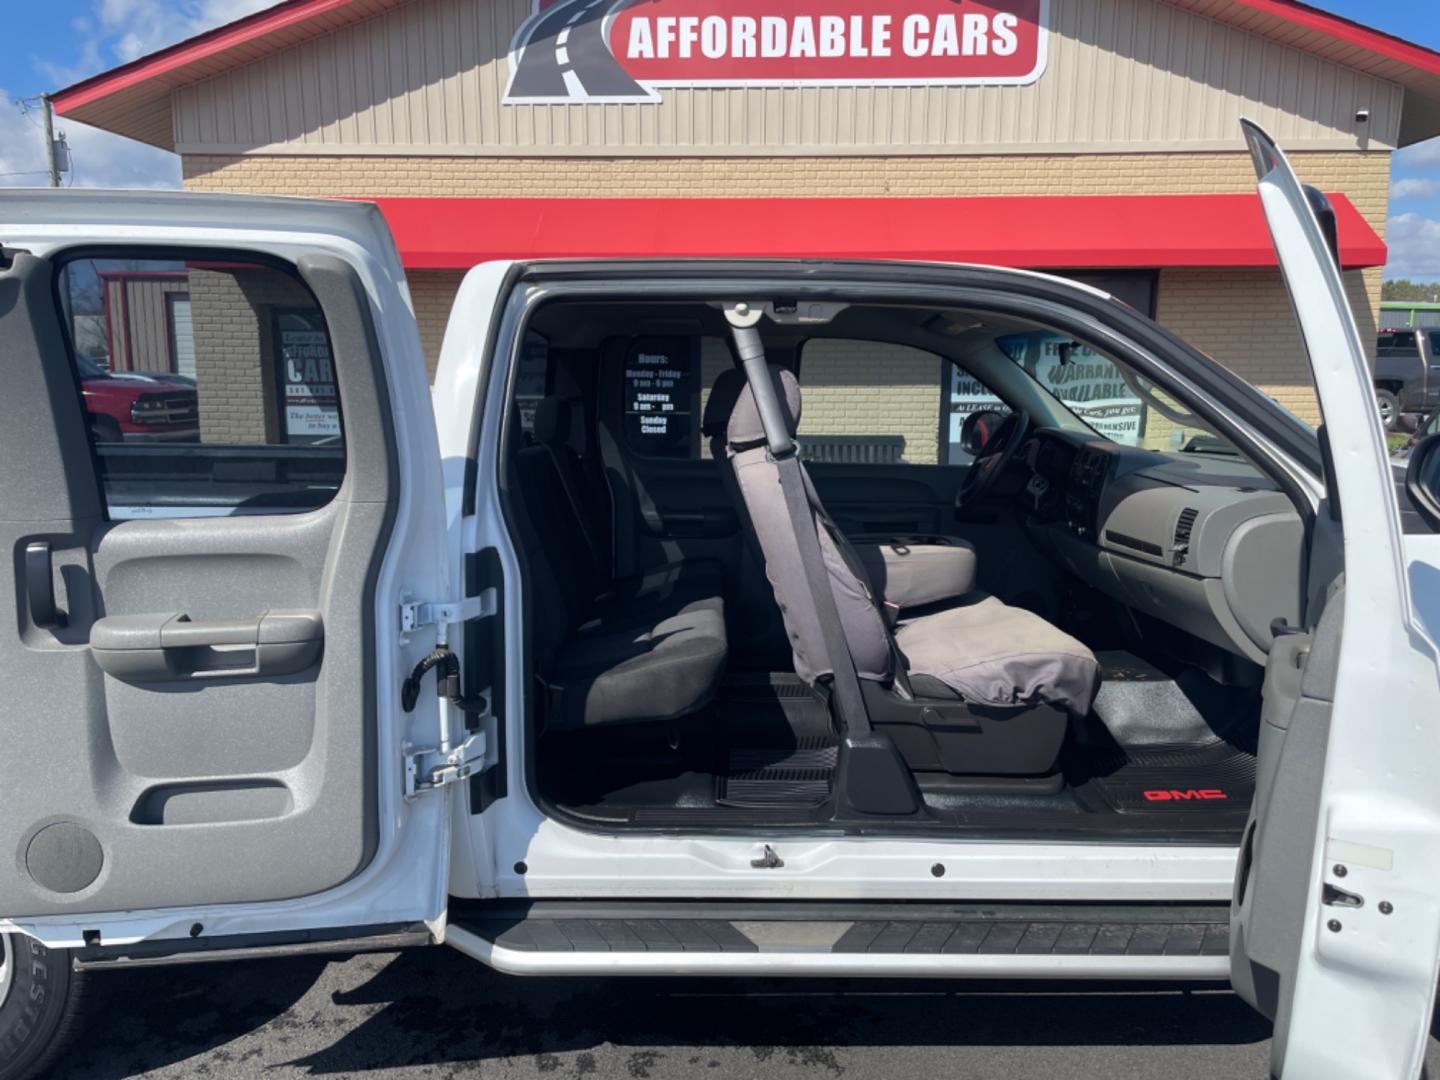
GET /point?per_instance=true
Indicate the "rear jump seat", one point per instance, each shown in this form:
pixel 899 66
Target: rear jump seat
pixel 610 651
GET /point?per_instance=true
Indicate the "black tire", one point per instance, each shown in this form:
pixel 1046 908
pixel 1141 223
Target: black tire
pixel 106 429
pixel 41 1009
pixel 1389 406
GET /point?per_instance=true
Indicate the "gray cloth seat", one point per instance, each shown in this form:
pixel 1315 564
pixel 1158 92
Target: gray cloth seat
pixel 980 648
pixel 992 653
pixel 610 650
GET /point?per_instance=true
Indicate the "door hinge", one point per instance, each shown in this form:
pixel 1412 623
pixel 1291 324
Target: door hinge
pixel 415 614
pixel 428 769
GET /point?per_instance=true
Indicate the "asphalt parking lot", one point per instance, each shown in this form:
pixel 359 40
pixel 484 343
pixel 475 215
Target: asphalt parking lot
pixel 434 1013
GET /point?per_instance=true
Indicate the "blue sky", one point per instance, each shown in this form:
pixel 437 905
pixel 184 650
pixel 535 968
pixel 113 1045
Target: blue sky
pixel 52 43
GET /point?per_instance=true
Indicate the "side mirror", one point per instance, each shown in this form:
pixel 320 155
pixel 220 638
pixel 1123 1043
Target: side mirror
pixel 1325 215
pixel 1422 480
pixel 977 429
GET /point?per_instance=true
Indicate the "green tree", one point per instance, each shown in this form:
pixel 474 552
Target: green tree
pixel 1425 292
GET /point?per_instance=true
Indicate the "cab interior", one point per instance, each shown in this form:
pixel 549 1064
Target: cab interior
pixel 1068 629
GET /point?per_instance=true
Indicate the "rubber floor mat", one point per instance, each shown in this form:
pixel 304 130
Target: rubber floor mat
pixel 1215 779
pixel 796 776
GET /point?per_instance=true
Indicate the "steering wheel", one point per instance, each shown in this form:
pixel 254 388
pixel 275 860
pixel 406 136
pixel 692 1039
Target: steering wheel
pixel 992 460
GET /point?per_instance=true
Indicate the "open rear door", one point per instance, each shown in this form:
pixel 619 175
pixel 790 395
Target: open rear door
pixel 222 513
pixel 1336 919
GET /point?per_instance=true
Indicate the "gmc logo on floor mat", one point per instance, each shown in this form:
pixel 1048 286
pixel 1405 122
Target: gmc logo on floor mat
pixel 1188 795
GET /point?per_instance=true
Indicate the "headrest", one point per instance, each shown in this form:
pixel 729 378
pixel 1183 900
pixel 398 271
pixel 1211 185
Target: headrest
pixel 721 403
pixel 745 429
pixel 552 421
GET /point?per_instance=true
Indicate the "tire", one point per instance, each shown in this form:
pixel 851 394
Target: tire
pixel 106 429
pixel 1389 406
pixel 40 1008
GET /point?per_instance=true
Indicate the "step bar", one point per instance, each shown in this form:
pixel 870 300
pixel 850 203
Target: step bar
pixel 1081 941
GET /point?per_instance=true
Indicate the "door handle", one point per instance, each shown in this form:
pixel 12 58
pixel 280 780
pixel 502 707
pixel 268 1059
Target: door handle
pixel 176 648
pixel 40 586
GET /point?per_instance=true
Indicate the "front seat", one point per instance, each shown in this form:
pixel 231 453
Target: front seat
pixel 949 666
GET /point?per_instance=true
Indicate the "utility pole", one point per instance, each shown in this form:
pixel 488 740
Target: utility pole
pixel 50 162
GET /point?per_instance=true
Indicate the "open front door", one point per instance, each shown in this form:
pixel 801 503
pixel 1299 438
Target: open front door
pixel 1336 918
pixel 220 500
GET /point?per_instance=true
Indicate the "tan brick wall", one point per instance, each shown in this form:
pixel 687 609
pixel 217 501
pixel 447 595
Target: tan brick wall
pixel 1227 313
pixel 1243 319
pixel 842 396
pixel 433 292
pixel 234 359
pixel 1364 177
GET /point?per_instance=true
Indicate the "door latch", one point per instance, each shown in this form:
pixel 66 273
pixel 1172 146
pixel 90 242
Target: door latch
pixel 428 769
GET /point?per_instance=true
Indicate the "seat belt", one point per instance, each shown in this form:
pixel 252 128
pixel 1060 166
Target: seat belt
pixel 849 701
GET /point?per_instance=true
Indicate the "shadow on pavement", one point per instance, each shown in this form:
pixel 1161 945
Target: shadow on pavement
pixel 146 1019
pixel 435 1007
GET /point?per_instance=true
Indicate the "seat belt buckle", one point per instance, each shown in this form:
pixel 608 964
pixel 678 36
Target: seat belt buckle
pixel 891 611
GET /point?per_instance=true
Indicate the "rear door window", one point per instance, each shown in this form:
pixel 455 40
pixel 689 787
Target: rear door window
pixel 209 385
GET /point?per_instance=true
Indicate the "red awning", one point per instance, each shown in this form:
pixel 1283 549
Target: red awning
pixel 1038 232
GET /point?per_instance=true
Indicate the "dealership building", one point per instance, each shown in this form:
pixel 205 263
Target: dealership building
pixel 1093 138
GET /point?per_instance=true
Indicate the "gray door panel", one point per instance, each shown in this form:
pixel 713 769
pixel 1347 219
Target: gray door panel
pixel 1268 910
pixel 221 775
pixel 894 500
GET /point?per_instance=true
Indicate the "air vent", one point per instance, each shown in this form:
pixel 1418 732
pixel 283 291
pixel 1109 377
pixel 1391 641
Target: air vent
pixel 1185 525
pixel 1183 528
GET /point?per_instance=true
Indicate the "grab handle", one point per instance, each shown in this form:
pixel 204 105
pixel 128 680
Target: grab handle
pixel 40 587
pixel 176 648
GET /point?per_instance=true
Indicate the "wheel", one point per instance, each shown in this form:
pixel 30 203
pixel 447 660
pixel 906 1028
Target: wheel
pixel 39 1005
pixel 106 429
pixel 1389 406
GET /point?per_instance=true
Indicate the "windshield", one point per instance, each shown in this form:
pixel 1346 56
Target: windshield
pixel 1109 398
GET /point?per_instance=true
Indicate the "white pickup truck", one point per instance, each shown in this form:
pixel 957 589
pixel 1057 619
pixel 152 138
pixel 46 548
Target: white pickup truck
pixel 579 663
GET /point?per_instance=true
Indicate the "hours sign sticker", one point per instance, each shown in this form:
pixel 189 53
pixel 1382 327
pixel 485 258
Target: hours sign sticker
pixel 660 396
pixel 606 50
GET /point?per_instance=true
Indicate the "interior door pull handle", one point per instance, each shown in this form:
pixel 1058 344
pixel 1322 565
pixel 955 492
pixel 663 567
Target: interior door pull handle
pixel 40 586
pixel 167 647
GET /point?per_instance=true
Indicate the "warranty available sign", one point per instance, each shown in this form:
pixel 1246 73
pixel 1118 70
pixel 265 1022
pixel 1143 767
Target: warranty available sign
pixel 604 50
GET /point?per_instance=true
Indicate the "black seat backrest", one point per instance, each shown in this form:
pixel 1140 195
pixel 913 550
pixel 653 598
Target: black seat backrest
pixel 552 429
pixel 562 571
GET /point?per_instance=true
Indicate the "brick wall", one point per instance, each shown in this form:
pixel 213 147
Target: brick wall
pixel 1242 318
pixel 842 398
pixel 1363 177
pixel 433 292
pixel 234 360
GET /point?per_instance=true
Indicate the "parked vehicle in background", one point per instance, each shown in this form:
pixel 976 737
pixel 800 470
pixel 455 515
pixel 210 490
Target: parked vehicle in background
pixel 1411 520
pixel 1407 373
pixel 1406 314
pixel 138 404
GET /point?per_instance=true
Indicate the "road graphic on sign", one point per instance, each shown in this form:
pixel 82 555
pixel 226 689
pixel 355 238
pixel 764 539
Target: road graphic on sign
pixel 561 55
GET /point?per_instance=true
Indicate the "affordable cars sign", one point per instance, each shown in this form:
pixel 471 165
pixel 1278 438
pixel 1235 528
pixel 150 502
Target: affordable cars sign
pixel 603 50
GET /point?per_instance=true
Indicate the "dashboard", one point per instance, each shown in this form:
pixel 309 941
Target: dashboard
pixel 1201 541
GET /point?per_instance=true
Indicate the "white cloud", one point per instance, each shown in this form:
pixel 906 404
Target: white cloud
pixel 1414 247
pixel 1414 187
pixel 135 27
pixel 97 158
pixel 115 31
pixel 22 146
